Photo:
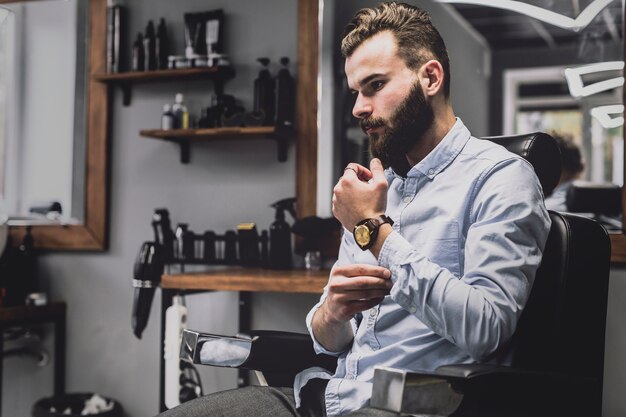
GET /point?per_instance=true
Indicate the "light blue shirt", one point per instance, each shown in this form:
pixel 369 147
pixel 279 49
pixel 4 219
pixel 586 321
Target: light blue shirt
pixel 557 200
pixel 470 228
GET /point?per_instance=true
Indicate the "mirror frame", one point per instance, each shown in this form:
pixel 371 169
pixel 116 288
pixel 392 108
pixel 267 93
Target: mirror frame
pixel 92 234
pixel 306 154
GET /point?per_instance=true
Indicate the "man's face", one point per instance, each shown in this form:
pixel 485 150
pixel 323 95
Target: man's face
pixel 389 100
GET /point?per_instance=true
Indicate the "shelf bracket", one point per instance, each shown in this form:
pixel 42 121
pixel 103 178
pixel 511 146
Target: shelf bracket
pixel 185 151
pixel 282 135
pixel 126 94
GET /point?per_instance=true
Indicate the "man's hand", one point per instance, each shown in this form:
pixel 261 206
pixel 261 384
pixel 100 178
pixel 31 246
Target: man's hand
pixel 361 193
pixel 351 289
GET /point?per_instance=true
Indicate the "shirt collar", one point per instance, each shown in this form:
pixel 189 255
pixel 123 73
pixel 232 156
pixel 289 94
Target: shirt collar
pixel 440 157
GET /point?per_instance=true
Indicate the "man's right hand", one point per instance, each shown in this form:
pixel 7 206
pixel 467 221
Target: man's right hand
pixel 351 289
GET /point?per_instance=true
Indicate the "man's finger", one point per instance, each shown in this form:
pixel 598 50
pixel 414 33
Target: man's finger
pixel 355 270
pixel 377 170
pixel 345 285
pixel 358 170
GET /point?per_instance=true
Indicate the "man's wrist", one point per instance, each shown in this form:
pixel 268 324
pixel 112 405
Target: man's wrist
pixel 383 232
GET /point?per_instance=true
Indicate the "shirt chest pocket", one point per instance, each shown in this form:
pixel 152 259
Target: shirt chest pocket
pixel 439 241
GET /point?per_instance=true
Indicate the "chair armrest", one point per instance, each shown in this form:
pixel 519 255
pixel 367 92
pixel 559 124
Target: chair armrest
pixel 486 390
pixel 260 350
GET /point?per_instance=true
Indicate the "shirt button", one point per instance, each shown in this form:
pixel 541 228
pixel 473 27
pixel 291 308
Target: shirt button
pixel 372 312
pixel 431 171
pixel 407 199
pixel 412 309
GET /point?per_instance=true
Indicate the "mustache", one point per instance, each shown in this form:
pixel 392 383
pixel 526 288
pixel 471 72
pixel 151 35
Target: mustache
pixel 371 122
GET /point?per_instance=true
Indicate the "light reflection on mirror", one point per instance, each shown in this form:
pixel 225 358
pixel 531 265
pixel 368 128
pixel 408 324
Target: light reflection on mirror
pixel 508 76
pixel 42 65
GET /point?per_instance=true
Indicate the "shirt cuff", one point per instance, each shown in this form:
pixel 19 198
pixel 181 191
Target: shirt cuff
pixel 309 325
pixel 393 250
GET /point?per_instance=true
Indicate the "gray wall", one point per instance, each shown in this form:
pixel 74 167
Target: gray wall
pixel 225 183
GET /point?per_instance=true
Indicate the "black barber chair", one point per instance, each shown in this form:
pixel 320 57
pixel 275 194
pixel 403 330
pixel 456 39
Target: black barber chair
pixel 600 201
pixel 558 348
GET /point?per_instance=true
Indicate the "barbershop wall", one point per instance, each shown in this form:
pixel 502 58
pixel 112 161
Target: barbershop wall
pixel 224 184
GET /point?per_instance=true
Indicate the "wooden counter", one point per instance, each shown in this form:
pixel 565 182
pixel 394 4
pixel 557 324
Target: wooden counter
pixel 249 279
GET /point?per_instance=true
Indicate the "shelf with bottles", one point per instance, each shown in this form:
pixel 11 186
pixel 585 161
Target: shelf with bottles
pixel 125 80
pixel 184 137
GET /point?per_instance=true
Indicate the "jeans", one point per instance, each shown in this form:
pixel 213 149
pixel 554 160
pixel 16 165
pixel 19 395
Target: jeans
pixel 254 401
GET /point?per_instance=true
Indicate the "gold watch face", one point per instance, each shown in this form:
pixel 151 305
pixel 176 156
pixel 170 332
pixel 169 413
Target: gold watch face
pixel 362 235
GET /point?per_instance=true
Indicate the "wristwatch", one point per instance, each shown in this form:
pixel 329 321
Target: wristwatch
pixel 366 231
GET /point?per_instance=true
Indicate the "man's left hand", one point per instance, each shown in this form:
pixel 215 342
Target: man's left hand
pixel 361 193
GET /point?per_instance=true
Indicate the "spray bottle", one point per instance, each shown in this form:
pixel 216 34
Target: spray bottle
pixel 280 235
pixel 175 322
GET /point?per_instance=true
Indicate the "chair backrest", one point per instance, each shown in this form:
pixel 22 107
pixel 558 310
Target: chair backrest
pixel 562 328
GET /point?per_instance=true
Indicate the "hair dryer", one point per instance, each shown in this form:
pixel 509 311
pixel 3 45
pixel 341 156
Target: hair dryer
pixel 147 275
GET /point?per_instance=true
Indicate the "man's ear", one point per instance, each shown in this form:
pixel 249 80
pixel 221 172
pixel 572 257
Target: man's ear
pixel 431 77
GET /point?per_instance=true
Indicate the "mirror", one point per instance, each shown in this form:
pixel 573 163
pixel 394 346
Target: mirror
pixel 44 130
pixel 490 47
pixel 85 196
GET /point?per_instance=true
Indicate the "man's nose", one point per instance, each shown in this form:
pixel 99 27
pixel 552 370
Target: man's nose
pixel 362 107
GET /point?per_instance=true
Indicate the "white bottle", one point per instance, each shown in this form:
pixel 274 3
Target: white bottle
pixel 175 322
pixel 181 116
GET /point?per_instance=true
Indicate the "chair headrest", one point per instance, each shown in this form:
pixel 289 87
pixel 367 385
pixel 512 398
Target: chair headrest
pixel 541 150
pixel 596 198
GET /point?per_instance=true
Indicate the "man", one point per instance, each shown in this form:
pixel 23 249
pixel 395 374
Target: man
pixel 443 232
pixel 572 167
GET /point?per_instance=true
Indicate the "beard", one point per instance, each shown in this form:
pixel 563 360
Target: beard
pixel 404 129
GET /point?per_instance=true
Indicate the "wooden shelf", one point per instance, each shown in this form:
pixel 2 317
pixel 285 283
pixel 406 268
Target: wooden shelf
pixel 208 134
pixel 249 279
pixel 126 79
pixel 165 75
pixel 184 137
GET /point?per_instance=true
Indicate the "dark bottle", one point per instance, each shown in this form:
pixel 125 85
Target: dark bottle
pixel 264 93
pixel 138 53
pixel 163 234
pixel 149 48
pixel 161 45
pixel 280 236
pixel 285 96
pixel 230 247
pixel 29 257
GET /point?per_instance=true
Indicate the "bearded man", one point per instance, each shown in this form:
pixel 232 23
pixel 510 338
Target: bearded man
pixel 443 233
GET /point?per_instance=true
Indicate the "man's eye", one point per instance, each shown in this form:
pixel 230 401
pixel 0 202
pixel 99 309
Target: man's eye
pixel 377 85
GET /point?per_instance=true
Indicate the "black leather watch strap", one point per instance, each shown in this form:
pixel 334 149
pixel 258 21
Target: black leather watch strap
pixel 366 231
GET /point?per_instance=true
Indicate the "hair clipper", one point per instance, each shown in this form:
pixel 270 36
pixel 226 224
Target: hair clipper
pixel 147 275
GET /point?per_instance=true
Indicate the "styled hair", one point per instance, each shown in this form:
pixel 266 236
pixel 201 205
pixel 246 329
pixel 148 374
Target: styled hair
pixel 418 39
pixel 571 158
